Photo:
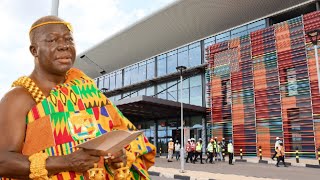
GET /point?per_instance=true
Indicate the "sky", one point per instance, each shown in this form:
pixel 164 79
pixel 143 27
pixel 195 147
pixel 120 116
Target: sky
pixel 92 21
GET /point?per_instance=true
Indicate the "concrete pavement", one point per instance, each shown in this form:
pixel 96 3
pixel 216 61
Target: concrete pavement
pixel 241 170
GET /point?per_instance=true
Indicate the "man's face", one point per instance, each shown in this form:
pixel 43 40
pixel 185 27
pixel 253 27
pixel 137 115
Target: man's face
pixel 55 48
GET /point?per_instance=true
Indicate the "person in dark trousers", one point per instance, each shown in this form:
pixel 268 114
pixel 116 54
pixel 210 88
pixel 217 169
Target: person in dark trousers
pixel 210 150
pixel 280 154
pixel 276 145
pixel 177 149
pixel 188 149
pixel 230 152
pixel 193 149
pixel 198 151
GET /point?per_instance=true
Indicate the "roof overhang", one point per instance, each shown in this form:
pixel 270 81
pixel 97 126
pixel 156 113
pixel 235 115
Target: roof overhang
pixel 151 108
pixel 181 22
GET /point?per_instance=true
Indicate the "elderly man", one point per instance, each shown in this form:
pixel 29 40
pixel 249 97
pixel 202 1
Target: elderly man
pixel 57 107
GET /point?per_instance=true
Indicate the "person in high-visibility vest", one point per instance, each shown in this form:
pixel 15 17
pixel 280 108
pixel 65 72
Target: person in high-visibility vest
pixel 210 150
pixel 170 150
pixel 219 150
pixel 280 154
pixel 198 151
pixel 230 152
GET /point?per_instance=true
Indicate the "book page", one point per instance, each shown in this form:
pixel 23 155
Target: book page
pixel 112 141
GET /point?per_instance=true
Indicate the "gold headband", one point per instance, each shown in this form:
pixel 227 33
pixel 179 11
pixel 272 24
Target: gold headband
pixel 52 22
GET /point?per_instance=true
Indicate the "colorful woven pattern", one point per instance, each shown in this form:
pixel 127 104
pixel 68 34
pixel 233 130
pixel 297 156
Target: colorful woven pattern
pixel 75 112
pixel 265 85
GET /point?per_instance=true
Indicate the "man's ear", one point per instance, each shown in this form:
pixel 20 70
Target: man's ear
pixel 33 50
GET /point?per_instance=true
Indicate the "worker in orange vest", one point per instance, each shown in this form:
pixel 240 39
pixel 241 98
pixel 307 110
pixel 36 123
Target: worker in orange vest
pixel 170 150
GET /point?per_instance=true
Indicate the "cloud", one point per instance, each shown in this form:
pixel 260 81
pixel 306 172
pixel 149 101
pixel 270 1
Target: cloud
pixel 93 21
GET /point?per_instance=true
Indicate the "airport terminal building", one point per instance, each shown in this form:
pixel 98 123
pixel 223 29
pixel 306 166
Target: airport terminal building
pixel 251 73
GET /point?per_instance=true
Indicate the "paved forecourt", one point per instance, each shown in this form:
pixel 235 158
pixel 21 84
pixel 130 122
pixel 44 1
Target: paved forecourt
pixel 240 170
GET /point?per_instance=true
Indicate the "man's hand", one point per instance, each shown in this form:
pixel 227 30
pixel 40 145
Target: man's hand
pixel 83 160
pixel 117 160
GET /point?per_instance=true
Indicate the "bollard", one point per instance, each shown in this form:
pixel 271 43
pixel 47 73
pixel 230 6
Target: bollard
pixel 297 155
pixel 223 154
pixel 260 152
pixel 319 155
pixel 160 151
pixel 240 153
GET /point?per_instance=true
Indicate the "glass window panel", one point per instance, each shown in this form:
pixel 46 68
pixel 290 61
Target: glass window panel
pixel 119 79
pixel 162 66
pixel 142 92
pixel 257 23
pixel 161 87
pixel 117 97
pixel 142 71
pixel 239 34
pixel 134 74
pixel 196 95
pixel 183 58
pixel 126 95
pixel 101 79
pixel 196 44
pixel 185 91
pixel 134 94
pixel 195 81
pixel 223 35
pixel 127 76
pixel 112 81
pixel 210 40
pixel 185 48
pixel 171 63
pixel 106 82
pixel 172 91
pixel 194 56
pixel 150 68
pixel 150 91
pixel 238 30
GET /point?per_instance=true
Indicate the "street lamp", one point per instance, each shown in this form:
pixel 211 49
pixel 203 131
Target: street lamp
pixel 313 36
pixel 181 69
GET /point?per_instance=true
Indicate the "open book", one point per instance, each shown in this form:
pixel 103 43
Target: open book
pixel 112 141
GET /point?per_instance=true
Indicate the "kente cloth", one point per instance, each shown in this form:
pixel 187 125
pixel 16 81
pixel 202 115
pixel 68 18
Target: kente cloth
pixel 75 112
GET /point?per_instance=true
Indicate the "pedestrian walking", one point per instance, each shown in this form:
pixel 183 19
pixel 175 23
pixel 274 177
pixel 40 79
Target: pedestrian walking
pixel 215 147
pixel 170 150
pixel 219 151
pixel 276 145
pixel 230 152
pixel 193 149
pixel 177 149
pixel 210 150
pixel 198 151
pixel 280 154
pixel 188 149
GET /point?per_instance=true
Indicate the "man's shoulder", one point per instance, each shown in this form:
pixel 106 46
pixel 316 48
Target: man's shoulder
pixel 18 96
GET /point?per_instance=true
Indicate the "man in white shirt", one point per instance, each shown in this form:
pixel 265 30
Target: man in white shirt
pixel 177 149
pixel 276 144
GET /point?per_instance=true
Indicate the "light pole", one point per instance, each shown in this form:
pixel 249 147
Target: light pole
pixel 313 36
pixel 181 69
pixel 55 7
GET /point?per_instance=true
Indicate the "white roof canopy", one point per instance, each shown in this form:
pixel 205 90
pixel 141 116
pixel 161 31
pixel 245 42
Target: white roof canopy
pixel 180 23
